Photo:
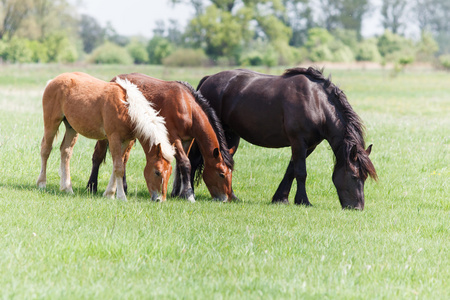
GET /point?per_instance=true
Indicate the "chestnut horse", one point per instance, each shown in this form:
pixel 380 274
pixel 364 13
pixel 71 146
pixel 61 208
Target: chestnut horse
pixel 103 110
pixel 300 109
pixel 188 116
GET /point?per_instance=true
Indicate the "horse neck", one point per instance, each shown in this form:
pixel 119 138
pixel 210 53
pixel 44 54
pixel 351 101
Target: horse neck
pixel 335 132
pixel 204 134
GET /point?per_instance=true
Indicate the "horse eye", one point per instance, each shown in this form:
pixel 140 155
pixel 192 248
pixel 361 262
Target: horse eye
pixel 222 175
pixel 157 173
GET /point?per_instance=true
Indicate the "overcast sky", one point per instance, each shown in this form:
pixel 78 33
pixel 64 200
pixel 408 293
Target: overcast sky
pixel 138 17
pixel 134 17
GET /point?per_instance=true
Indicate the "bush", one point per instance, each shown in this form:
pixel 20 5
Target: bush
pixel 253 58
pixel 138 52
pixel 186 58
pixel 367 50
pixel 427 47
pixel 390 43
pixel 60 49
pixel 341 52
pixel 110 53
pixel 158 48
pixel 444 61
pixel 16 51
pixel 39 52
pixel 320 53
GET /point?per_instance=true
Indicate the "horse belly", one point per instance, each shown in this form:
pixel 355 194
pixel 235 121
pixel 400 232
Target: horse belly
pixel 85 119
pixel 263 128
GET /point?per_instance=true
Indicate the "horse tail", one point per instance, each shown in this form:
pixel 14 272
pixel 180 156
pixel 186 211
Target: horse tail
pixel 201 82
pixel 148 124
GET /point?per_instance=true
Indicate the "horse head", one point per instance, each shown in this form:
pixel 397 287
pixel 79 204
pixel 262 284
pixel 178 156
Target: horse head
pixel 217 176
pixel 349 177
pixel 157 173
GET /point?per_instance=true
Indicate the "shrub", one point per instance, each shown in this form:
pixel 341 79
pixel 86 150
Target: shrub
pixel 390 44
pixel 186 58
pixel 341 52
pixel 158 48
pixel 444 61
pixel 16 50
pixel 367 50
pixel 270 57
pixel 138 52
pixel 39 51
pixel 320 53
pixel 253 58
pixel 60 49
pixel 110 53
pixel 427 47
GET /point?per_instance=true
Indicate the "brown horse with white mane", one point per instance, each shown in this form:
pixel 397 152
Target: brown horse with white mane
pixel 116 112
pixel 188 116
pixel 300 109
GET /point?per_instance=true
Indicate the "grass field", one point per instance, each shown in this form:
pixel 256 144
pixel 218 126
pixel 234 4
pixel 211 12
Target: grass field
pixel 54 245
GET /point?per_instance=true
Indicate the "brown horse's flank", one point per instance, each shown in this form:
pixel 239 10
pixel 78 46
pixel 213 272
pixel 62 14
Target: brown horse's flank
pixel 354 128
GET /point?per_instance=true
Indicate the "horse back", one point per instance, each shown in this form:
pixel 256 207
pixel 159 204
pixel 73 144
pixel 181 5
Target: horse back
pixel 265 109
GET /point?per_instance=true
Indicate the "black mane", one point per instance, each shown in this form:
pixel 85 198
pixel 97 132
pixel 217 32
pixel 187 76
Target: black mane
pixel 215 123
pixel 354 128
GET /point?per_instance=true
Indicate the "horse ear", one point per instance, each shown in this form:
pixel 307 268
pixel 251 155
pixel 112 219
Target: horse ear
pixel 158 150
pixel 369 149
pixel 216 153
pixel 353 153
pixel 232 150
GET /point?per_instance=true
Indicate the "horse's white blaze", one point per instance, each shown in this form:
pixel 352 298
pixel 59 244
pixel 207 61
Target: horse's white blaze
pixel 149 125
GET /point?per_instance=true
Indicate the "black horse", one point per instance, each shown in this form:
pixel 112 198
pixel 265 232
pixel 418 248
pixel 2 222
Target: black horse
pixel 300 109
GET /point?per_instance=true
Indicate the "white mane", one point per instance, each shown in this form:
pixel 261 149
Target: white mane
pixel 149 125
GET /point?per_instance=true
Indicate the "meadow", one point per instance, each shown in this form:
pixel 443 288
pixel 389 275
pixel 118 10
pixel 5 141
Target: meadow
pixel 55 246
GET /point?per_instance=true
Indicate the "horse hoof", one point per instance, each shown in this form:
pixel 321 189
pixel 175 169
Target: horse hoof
pixel 41 185
pixel 280 201
pixel 67 190
pixel 191 199
pixel 108 195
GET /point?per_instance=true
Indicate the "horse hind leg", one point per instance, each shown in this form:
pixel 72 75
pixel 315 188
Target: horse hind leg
pixel 70 138
pixel 98 157
pixel 50 132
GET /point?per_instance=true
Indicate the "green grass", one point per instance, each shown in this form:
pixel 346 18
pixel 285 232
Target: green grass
pixel 54 245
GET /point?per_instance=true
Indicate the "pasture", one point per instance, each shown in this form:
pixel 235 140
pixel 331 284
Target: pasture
pixel 54 245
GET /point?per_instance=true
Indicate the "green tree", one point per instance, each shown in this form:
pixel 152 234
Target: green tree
pixel 158 48
pixel 347 14
pixel 91 33
pixel 219 32
pixel 138 52
pixel 393 13
pixel 12 14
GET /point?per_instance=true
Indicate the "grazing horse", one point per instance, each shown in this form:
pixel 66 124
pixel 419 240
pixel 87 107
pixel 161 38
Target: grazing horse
pixel 188 116
pixel 103 110
pixel 300 109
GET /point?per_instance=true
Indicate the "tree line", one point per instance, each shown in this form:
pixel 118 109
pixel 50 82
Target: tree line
pixel 232 32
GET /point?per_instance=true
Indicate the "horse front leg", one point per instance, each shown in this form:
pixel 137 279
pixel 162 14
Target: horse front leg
pixel 116 182
pixel 299 153
pixel 183 183
pixel 282 193
pixel 98 157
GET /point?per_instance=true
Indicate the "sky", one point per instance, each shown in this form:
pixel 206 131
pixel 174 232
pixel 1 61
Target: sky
pixel 138 17
pixel 134 17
